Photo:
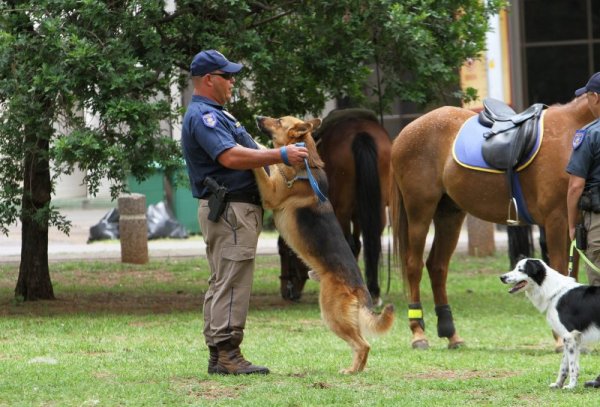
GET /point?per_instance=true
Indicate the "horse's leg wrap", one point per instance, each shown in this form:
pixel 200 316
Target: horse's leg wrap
pixel 415 313
pixel 445 324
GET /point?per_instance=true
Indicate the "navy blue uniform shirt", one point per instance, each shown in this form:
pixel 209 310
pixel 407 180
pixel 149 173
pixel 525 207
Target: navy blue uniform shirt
pixel 208 130
pixel 585 158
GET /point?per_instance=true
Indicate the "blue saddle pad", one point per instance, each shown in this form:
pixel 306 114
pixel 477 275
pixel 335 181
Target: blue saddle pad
pixel 467 145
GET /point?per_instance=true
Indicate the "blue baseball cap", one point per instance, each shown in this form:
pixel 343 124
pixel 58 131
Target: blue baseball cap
pixel 210 60
pixel 593 85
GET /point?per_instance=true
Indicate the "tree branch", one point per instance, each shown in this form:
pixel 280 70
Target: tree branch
pixel 268 20
pixel 266 7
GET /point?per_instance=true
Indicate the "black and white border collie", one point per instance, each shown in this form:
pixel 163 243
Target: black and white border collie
pixel 572 310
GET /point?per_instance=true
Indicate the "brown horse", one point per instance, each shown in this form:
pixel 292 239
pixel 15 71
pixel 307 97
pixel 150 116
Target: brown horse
pixel 356 151
pixel 428 185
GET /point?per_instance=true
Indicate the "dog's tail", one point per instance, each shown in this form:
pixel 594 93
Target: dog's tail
pixel 372 324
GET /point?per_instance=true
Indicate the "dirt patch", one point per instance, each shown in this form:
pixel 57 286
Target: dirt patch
pixel 131 303
pixel 206 389
pixel 109 302
pixel 321 385
pixel 461 374
pixel 112 278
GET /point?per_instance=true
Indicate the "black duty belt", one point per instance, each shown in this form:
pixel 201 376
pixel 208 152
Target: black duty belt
pixel 246 197
pixel 241 196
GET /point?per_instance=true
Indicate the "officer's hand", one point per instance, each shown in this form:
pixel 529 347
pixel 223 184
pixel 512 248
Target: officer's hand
pixel 296 155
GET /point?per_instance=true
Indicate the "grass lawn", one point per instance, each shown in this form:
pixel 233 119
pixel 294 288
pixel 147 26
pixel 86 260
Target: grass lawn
pixel 127 335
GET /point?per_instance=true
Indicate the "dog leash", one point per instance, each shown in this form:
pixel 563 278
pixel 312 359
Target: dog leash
pixel 582 255
pixel 313 182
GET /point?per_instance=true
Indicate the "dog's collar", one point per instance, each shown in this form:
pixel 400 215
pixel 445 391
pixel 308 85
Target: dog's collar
pixel 290 182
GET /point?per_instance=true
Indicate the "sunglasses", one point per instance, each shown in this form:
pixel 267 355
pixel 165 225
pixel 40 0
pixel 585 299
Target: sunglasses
pixel 225 75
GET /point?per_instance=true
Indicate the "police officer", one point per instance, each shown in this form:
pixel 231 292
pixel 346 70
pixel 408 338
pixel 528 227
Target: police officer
pixel 584 177
pixel 584 184
pixel 216 145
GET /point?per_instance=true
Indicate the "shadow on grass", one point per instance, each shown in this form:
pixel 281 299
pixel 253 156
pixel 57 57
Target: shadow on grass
pixel 123 303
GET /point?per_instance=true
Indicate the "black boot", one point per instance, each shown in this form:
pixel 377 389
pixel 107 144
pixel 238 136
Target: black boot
pixel 212 359
pixel 231 361
pixel 593 383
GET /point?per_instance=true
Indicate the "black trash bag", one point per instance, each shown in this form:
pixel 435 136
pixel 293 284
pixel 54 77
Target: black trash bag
pixel 107 228
pixel 162 223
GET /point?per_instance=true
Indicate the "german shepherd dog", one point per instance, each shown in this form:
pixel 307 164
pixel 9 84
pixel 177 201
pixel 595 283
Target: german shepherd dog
pixel 311 229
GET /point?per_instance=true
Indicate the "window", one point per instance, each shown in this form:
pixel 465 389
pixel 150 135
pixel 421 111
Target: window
pixel 561 47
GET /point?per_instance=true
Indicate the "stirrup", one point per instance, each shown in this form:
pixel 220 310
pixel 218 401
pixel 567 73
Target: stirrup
pixel 513 222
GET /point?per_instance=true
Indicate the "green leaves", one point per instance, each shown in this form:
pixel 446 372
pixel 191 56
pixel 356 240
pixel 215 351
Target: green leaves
pixel 88 76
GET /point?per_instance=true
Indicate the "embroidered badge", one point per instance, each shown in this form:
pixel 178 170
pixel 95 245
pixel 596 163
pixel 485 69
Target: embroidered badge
pixel 209 119
pixel 578 138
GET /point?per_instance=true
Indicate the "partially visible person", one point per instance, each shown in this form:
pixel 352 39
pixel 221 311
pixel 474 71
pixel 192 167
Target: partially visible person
pixel 218 148
pixel 584 179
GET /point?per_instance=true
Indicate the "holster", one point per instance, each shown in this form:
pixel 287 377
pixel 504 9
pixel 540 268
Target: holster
pixel 580 237
pixel 590 200
pixel 216 207
pixel 217 200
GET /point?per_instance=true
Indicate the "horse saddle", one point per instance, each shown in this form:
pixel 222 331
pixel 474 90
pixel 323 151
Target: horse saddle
pixel 499 140
pixel 511 136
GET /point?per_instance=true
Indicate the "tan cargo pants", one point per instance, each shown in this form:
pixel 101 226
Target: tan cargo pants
pixel 230 250
pixel 591 221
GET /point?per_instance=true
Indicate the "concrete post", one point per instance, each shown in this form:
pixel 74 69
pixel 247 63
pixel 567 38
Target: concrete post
pixel 133 228
pixel 481 237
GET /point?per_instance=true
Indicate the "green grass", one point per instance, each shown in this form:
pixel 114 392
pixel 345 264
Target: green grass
pixel 125 335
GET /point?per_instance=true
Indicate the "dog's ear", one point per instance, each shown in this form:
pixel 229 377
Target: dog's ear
pixel 297 130
pixel 300 129
pixel 536 270
pixel 315 123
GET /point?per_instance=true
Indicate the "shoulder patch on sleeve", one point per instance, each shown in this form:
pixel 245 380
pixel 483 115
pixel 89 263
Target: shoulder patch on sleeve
pixel 209 119
pixel 578 138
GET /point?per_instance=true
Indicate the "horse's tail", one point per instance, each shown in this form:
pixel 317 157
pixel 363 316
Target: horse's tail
pixel 520 243
pixel 369 205
pixel 399 224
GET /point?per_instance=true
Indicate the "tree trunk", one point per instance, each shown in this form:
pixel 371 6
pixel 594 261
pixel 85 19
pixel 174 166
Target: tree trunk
pixel 34 276
pixel 481 237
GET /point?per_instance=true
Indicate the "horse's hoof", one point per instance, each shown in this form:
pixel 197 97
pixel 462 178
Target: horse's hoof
pixel 559 349
pixel 347 371
pixel 377 302
pixel 456 345
pixel 420 344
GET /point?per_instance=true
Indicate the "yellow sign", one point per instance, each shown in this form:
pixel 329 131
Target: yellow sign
pixel 473 74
